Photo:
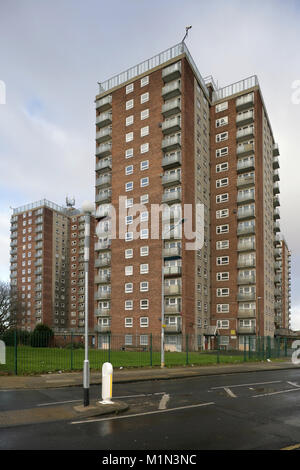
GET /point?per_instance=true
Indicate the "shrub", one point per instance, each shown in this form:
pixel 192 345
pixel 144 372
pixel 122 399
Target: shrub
pixel 41 336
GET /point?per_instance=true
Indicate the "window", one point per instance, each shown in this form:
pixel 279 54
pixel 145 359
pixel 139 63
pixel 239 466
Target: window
pixel 129 202
pixel 128 287
pixel 129 136
pixel 144 182
pixel 221 107
pixel 223 324
pixel 144 286
pixel 144 131
pixel 129 104
pixel 144 165
pixel 145 81
pixel 222 229
pixel 128 304
pixel 223 276
pixel 128 270
pixel 129 88
pixel 221 214
pixel 129 170
pixel 145 97
pixel 144 114
pixel 144 199
pixel 144 304
pixel 222 182
pixel 223 292
pixel 128 236
pixel 222 308
pixel 144 216
pixel 128 322
pixel 222 245
pixel 144 340
pixel 222 198
pixel 129 186
pixel 221 137
pixel 144 268
pixel 144 234
pixel 129 120
pixel 144 250
pixel 222 121
pixel 222 167
pixel 128 340
pixel 222 152
pixel 221 260
pixel 129 253
pixel 144 322
pixel 144 148
pixel 128 153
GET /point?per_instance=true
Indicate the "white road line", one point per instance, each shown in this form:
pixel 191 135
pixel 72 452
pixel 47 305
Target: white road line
pixel 276 393
pixel 125 396
pixel 163 402
pixel 230 393
pixel 58 402
pixel 143 414
pixel 247 385
pixel 293 384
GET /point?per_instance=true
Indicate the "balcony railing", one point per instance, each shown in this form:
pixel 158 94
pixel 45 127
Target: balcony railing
pixel 276 214
pixel 172 72
pixel 171 125
pixel 171 90
pixel 245 133
pixel 171 178
pixel 171 143
pixel 103 149
pixel 250 279
pixel 172 252
pixel 246 330
pixel 246 313
pixel 170 161
pixel 104 103
pixel 248 196
pixel 103 165
pixel 248 213
pixel 172 271
pixel 104 196
pixel 101 246
pixel 105 261
pixel 102 328
pixel 244 102
pixel 246 262
pixel 177 328
pixel 275 150
pixel 247 165
pixel 275 163
pixel 173 289
pixel 246 246
pixel 246 229
pixel 245 118
pixel 103 181
pixel 173 308
pixel 104 119
pixel 171 107
pixel 276 176
pixel 102 312
pixel 244 181
pixel 276 189
pixel 171 197
pixel 245 296
pixel 276 202
pixel 103 135
pixel 102 294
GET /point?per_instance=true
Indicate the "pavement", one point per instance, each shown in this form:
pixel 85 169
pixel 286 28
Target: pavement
pixel 71 379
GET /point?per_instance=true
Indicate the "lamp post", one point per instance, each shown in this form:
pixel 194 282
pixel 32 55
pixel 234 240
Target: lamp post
pixel 162 342
pixel 87 209
pixel 258 316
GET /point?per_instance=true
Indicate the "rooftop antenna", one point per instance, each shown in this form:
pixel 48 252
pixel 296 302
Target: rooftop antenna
pixel 70 202
pixel 186 32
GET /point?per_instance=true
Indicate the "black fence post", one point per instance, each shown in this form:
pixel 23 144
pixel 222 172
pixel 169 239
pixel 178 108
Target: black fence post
pixel 71 351
pixel 187 348
pixel 151 345
pixel 16 353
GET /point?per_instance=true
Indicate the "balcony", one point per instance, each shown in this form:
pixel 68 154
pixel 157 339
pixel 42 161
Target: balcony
pixel 245 118
pixel 246 296
pixel 276 202
pixel 172 252
pixel 102 246
pixel 173 214
pixel 247 165
pixel 103 165
pixel 102 295
pixel 171 143
pixel 104 261
pixel 275 163
pixel 102 328
pixel 276 226
pixel 248 213
pixel 103 150
pixel 246 313
pixel 247 196
pixel 172 72
pixel 103 135
pixel 171 197
pixel 246 229
pixel 103 181
pixel 102 312
pixel 245 149
pixel 103 211
pixel 277 279
pixel 249 279
pixel 169 179
pixel 275 150
pixel 276 214
pixel 246 246
pixel 174 328
pixel 244 181
pixel 173 289
pixel 246 262
pixel 277 240
pixel 246 330
pixel 244 134
pixel 172 160
pixel 278 292
pixel 104 103
pixel 171 125
pixel 171 90
pixel 277 253
pixel 172 271
pixel 103 120
pixel 277 265
pixel 244 102
pixel 103 196
pixel 276 176
pixel 173 309
pixel 171 107
pixel 276 189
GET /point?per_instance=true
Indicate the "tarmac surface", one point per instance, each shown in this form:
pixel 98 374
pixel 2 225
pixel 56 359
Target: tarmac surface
pixel 10 418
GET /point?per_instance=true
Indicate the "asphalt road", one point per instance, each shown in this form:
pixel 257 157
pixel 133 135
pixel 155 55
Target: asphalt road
pixel 257 410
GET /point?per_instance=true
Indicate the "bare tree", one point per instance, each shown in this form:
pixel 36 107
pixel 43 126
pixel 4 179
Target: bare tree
pixel 10 307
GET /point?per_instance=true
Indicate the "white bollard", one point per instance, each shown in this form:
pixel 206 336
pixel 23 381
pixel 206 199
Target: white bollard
pixel 107 373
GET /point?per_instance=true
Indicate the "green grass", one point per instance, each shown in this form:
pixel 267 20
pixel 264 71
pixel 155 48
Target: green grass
pixel 40 360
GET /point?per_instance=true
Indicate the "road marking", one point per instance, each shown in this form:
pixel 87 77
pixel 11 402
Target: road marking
pixel 125 396
pixel 57 403
pixel 230 393
pixel 296 446
pixel 143 414
pixel 276 393
pixel 293 384
pixel 247 385
pixel 163 402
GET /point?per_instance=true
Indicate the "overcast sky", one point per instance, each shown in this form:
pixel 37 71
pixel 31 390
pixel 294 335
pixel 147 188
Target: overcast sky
pixel 53 53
